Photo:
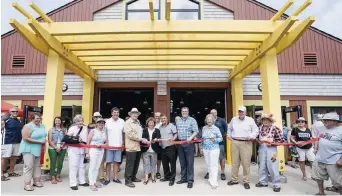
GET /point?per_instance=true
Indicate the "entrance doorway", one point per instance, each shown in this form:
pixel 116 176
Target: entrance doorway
pixel 199 101
pixel 125 99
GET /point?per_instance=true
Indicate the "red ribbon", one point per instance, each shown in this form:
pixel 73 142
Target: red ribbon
pixel 288 144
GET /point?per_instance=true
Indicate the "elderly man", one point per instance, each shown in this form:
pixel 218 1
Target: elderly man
pixel 159 157
pixel 328 162
pixel 241 130
pixel 187 131
pixel 132 142
pixel 222 125
pixel 12 139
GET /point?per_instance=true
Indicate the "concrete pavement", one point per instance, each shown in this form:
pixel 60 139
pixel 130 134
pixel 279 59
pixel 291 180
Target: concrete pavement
pixel 294 185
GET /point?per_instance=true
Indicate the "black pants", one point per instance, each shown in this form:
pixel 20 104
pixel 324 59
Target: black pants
pixel 169 159
pixel 132 165
pixel 186 158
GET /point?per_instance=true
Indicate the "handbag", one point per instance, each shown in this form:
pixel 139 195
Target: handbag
pixel 72 139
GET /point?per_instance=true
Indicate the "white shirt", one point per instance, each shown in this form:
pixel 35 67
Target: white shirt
pixel 243 129
pixel 115 131
pixel 316 127
pixel 83 135
pixel 150 132
pixel 158 125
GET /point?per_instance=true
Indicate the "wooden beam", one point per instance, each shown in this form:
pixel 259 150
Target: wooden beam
pixel 162 45
pixel 136 63
pixel 282 10
pixel 161 26
pixel 40 12
pixel 21 10
pixel 302 8
pixel 161 58
pixel 168 67
pixel 162 52
pixel 150 5
pixel 264 47
pixel 166 37
pixel 63 51
pixel 168 10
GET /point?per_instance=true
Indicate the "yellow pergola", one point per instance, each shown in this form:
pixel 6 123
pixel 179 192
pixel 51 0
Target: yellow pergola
pixel 240 46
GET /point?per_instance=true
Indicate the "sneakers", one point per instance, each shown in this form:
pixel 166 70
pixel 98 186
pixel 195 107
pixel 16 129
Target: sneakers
pixel 158 175
pixel 117 181
pixel 206 176
pixel 130 185
pixel 261 185
pixel 84 184
pixel 223 176
pixel 106 182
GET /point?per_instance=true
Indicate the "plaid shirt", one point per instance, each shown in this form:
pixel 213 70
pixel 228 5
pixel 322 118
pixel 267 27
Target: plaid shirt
pixel 186 127
pixel 276 133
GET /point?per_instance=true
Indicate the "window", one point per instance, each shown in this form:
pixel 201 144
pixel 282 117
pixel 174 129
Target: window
pixel 323 110
pixel 185 10
pixel 139 10
pixel 18 61
pixel 310 59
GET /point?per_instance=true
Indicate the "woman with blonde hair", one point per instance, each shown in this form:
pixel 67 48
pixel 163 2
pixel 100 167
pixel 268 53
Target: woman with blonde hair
pixel 76 155
pixel 211 136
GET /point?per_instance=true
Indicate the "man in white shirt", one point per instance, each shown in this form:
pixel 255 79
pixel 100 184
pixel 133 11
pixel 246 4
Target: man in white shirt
pixel 115 128
pixel 159 157
pixel 241 130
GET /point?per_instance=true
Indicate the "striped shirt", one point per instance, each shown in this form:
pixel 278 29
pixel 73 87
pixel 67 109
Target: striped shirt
pixel 186 127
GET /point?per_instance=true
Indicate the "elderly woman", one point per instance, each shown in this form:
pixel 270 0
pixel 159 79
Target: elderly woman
pixel 149 153
pixel 269 163
pixel 76 155
pixel 97 136
pixel 301 134
pixel 34 136
pixel 56 149
pixel 211 136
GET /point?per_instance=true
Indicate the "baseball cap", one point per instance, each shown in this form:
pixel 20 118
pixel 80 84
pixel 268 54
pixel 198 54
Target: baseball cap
pixel 97 114
pixel 242 108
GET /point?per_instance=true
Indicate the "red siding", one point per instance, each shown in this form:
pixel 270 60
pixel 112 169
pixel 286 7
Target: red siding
pixel 329 50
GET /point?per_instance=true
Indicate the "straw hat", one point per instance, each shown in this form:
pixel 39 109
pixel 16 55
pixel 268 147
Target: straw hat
pixel 100 120
pixel 134 110
pixel 332 116
pixel 268 116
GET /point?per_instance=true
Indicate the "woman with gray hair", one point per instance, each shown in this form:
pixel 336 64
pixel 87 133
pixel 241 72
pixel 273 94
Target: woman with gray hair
pixel 76 155
pixel 211 136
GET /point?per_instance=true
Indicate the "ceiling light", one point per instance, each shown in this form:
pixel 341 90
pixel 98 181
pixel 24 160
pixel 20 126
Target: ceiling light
pixel 108 102
pixel 137 92
pixel 189 92
pixel 121 108
pixel 205 108
pixel 218 102
pixel 181 102
pixel 149 108
pixel 145 102
pixel 198 112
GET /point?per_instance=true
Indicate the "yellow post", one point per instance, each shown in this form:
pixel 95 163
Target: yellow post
pixel 237 97
pixel 87 99
pixel 53 95
pixel 271 94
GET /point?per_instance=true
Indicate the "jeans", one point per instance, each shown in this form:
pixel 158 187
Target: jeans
pixel 267 166
pixel 56 157
pixel 186 159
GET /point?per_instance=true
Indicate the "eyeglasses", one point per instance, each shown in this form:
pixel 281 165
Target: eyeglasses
pixel 14 111
pixel 97 116
pixel 301 121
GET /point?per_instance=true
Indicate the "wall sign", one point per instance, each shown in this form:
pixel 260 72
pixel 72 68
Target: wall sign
pixel 65 87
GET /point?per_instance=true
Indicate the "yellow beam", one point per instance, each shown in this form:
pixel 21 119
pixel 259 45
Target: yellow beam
pixel 162 45
pixel 22 11
pixel 271 94
pixel 294 34
pixel 162 26
pixel 30 37
pixel 166 37
pixel 169 67
pixel 161 58
pixel 87 99
pixel 269 43
pixel 53 94
pixel 60 49
pixel 302 8
pixel 168 10
pixel 150 5
pixel 162 52
pixel 282 10
pixel 40 12
pixel 108 63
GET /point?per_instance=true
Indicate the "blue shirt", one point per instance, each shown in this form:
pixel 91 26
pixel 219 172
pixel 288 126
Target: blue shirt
pixel 211 132
pixel 13 131
pixel 37 133
pixel 222 125
pixel 285 132
pixel 330 145
pixel 186 127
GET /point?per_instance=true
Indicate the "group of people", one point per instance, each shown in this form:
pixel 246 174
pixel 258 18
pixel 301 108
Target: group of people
pixel 155 144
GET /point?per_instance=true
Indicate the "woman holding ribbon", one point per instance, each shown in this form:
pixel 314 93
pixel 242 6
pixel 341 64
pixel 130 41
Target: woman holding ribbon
pixel 211 137
pixel 268 157
pixel 98 137
pixel 56 149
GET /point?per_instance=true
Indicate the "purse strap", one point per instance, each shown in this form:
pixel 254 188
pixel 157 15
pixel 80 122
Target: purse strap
pixel 79 131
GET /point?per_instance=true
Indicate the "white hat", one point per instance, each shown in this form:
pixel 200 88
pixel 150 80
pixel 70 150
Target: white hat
pixel 100 120
pixel 97 114
pixel 301 119
pixel 242 108
pixel 134 110
pixel 332 116
pixel 319 116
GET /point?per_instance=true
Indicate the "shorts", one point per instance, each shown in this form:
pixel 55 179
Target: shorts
pixel 222 155
pixel 159 156
pixel 323 171
pixel 10 150
pixel 308 153
pixel 113 156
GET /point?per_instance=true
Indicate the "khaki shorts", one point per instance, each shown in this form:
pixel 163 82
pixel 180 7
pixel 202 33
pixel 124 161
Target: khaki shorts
pixel 322 171
pixel 10 150
pixel 306 153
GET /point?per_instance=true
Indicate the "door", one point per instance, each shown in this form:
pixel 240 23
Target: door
pixel 251 113
pixel 76 110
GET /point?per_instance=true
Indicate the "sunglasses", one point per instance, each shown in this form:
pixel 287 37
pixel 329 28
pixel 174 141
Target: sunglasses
pixel 97 116
pixel 14 111
pixel 300 121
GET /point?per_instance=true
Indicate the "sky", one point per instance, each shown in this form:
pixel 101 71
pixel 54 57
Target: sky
pixel 328 13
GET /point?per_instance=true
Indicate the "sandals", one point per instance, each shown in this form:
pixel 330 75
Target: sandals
pixel 145 182
pixel 332 189
pixel 28 187
pixel 13 174
pixel 98 185
pixel 304 178
pixel 153 180
pixel 53 180
pixel 58 178
pixel 93 188
pixel 4 178
pixel 38 184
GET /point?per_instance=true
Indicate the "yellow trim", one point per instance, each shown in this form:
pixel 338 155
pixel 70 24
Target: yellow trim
pixel 314 103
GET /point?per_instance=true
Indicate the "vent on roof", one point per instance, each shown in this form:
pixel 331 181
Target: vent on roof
pixel 310 59
pixel 18 61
